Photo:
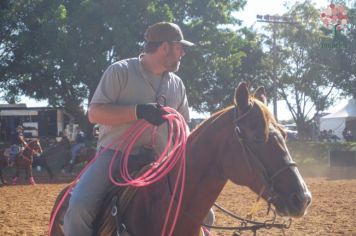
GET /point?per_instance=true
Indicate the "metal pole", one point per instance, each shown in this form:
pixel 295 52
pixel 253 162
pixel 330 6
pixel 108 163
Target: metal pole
pixel 274 71
pixel 274 20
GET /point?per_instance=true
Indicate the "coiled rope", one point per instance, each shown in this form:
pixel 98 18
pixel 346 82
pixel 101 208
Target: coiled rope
pixel 173 153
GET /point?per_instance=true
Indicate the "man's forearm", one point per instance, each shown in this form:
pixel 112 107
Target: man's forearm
pixel 108 114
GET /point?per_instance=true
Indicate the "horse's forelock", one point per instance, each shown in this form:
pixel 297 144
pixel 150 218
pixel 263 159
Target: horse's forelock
pixel 268 117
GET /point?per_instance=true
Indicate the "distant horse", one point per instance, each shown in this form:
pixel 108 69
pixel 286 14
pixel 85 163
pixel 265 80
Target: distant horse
pixel 85 154
pixel 242 143
pixel 25 160
pixel 41 161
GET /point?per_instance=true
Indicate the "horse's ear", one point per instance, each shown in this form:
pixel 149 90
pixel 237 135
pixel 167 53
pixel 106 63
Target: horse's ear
pixel 242 97
pixel 260 94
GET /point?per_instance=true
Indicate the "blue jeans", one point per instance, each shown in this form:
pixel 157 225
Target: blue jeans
pixel 74 151
pixel 87 196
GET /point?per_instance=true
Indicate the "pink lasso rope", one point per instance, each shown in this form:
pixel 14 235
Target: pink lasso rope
pixel 165 163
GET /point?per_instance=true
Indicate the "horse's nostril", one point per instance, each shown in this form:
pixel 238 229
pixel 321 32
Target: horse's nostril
pixel 301 200
pixel 309 199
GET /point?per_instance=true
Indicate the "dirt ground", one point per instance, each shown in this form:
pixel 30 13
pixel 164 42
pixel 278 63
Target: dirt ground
pixel 25 209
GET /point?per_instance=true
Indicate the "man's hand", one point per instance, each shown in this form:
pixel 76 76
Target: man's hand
pixel 151 112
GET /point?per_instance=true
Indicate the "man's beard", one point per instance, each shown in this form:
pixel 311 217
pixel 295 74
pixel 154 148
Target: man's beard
pixel 174 67
pixel 172 64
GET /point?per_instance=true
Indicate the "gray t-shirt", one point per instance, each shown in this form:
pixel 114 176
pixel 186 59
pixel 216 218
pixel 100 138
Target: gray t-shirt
pixel 126 82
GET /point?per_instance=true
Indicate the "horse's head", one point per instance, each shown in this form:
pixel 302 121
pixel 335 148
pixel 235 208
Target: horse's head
pixel 35 147
pixel 269 169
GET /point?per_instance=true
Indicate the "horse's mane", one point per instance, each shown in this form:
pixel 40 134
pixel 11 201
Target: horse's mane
pixel 199 128
pixel 267 116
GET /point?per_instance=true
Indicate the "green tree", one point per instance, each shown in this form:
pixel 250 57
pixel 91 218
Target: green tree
pixel 57 50
pixel 303 72
pixel 342 55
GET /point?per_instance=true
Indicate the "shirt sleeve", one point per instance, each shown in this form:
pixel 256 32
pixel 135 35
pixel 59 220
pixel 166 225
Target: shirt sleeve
pixel 110 85
pixel 183 107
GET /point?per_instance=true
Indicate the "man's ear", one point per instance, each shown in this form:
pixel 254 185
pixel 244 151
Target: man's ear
pixel 164 47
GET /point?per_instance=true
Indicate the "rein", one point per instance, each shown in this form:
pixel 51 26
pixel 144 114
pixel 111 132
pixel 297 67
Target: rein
pixel 250 225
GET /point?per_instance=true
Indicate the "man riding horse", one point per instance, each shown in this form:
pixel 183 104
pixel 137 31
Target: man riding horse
pixel 18 143
pixel 126 93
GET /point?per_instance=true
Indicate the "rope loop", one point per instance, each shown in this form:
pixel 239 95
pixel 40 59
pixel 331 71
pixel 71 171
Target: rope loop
pixel 172 155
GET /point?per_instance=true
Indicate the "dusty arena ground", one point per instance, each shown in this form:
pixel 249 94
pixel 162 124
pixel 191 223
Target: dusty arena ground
pixel 25 209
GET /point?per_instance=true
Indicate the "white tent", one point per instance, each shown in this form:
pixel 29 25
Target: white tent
pixel 337 121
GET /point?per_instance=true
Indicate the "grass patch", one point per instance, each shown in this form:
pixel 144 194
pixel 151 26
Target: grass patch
pixel 316 152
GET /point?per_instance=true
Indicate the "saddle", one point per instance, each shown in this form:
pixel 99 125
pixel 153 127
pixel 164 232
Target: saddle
pixel 110 219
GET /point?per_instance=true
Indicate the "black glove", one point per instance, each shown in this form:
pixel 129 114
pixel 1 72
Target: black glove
pixel 151 112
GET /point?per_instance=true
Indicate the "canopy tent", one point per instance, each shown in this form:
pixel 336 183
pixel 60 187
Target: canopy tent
pixel 337 121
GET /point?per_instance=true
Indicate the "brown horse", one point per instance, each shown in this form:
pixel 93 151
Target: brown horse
pixel 25 160
pixel 242 143
pixel 85 154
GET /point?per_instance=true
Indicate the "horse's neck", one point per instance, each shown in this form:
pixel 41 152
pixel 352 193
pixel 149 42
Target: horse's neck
pixel 204 180
pixel 203 184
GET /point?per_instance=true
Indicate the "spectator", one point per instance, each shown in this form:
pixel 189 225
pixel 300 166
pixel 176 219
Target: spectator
pixel 18 143
pixel 332 137
pixel 347 135
pixel 79 143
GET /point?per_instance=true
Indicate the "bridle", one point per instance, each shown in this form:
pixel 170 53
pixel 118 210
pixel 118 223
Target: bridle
pixel 253 160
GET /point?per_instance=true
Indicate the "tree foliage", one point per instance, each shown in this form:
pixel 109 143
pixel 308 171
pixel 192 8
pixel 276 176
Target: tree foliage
pixel 304 72
pixel 343 55
pixel 57 50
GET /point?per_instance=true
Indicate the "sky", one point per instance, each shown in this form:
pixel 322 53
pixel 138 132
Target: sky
pixel 258 7
pixel 248 16
pixel 272 7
